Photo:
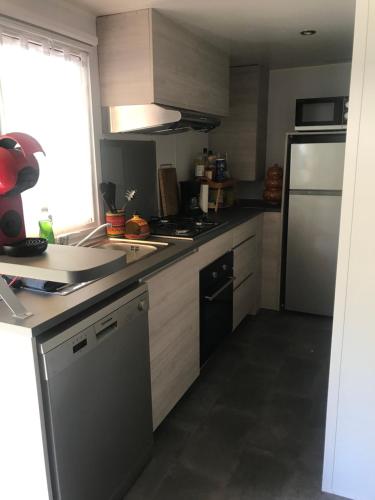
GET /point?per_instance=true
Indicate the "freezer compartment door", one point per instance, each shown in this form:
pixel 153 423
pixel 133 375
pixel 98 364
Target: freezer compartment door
pixel 317 166
pixel 313 229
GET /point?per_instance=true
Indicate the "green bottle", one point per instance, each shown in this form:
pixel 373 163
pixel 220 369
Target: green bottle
pixel 45 226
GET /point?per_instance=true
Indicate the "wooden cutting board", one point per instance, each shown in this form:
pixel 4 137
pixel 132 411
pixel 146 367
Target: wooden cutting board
pixel 168 190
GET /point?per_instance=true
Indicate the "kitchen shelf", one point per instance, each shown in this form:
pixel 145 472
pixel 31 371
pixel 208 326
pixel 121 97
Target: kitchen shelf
pixel 219 186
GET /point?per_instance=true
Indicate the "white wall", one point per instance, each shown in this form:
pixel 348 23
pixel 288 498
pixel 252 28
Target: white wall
pixel 350 432
pixel 287 85
pixel 176 149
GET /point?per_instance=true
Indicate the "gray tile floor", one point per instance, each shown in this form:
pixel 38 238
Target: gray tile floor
pixel 252 426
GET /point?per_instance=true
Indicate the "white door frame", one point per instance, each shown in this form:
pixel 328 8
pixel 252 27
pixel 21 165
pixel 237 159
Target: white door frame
pixel 350 438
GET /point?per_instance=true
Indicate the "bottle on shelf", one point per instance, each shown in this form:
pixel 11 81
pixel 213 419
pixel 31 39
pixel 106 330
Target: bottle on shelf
pixel 205 156
pixel 211 166
pixel 220 170
pixel 199 166
pixel 45 226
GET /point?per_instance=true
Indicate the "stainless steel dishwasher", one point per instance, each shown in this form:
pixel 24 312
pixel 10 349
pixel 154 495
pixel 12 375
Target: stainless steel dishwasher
pixel 97 400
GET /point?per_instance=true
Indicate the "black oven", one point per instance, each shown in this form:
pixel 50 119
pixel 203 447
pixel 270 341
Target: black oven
pixel 216 304
pixel 323 113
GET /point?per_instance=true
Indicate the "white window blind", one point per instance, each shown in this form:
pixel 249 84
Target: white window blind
pixel 44 92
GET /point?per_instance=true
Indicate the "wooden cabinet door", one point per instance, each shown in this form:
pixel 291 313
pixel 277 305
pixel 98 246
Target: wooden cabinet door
pixel 271 260
pixel 145 58
pixel 188 72
pixel 245 260
pixel 245 230
pixel 243 300
pixel 174 334
pixel 125 58
pixel 247 254
pixel 242 134
pixel 214 249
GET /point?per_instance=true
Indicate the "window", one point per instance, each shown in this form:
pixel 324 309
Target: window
pixel 44 92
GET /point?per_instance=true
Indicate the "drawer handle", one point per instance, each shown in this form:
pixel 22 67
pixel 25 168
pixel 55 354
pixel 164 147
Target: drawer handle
pixel 244 241
pixel 212 297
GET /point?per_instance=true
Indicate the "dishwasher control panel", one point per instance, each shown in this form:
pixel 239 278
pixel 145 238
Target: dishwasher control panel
pixel 68 347
pixel 79 344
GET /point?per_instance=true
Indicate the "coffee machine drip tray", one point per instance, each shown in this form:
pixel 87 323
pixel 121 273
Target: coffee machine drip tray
pixel 178 226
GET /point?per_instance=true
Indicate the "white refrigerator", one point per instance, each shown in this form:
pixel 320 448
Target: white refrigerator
pixel 311 221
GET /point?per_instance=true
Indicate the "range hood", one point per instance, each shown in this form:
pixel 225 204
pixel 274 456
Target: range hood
pixel 156 119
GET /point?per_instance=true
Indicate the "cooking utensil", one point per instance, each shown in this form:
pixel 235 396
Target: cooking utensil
pixel 129 196
pixel 169 190
pixel 112 195
pixel 108 191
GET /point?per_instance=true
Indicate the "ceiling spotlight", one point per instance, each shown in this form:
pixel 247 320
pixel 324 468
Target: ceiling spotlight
pixel 308 32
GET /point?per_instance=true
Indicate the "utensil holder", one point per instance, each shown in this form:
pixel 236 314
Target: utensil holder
pixel 117 221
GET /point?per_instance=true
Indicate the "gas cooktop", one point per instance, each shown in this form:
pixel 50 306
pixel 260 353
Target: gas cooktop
pixel 179 226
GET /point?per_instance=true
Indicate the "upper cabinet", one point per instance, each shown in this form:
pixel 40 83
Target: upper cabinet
pixel 146 58
pixel 242 135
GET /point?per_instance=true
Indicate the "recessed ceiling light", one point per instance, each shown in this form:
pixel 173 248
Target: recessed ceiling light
pixel 308 32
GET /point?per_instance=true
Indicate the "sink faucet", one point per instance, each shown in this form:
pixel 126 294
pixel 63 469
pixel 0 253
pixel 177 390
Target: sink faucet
pixel 107 224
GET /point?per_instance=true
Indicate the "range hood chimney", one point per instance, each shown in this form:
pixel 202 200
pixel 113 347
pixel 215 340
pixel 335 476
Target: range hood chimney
pixel 156 119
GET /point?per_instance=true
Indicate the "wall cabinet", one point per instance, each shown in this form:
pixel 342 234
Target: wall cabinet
pixel 242 135
pixel 144 57
pixel 174 334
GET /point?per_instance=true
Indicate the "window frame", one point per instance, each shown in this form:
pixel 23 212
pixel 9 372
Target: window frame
pixel 77 48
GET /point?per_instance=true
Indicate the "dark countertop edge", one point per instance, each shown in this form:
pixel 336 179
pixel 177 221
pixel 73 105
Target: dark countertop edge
pixel 104 288
pixel 259 203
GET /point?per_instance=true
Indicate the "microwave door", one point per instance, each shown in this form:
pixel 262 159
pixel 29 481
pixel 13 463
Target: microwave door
pixel 325 113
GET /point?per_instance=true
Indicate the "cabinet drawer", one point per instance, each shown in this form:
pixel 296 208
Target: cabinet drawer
pixel 245 231
pixel 243 300
pixel 170 283
pixel 215 249
pixel 245 260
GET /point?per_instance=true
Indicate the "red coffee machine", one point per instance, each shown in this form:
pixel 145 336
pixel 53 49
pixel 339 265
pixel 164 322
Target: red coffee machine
pixel 19 170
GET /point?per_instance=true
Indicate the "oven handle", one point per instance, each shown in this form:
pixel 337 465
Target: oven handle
pixel 212 297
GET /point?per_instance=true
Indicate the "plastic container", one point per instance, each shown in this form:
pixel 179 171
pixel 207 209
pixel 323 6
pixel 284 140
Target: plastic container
pixel 45 226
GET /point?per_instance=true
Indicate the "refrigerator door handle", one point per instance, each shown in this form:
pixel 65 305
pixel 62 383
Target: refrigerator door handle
pixel 315 192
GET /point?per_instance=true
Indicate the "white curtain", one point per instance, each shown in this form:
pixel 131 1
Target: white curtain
pixel 44 92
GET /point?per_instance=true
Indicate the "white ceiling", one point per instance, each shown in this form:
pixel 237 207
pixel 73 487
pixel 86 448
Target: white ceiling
pixel 258 31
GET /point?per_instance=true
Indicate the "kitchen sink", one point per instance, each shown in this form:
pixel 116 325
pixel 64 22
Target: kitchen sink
pixel 134 250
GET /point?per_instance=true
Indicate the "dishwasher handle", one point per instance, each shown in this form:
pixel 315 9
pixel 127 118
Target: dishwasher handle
pixel 212 297
pixel 106 325
pixel 106 330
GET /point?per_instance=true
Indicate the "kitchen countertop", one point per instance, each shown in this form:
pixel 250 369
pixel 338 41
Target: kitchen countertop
pixel 261 204
pixel 51 310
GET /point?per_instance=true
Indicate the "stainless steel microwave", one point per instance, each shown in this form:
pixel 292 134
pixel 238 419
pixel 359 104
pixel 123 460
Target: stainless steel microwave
pixel 322 113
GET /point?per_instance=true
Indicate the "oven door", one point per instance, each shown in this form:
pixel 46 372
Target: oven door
pixel 323 113
pixel 216 304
